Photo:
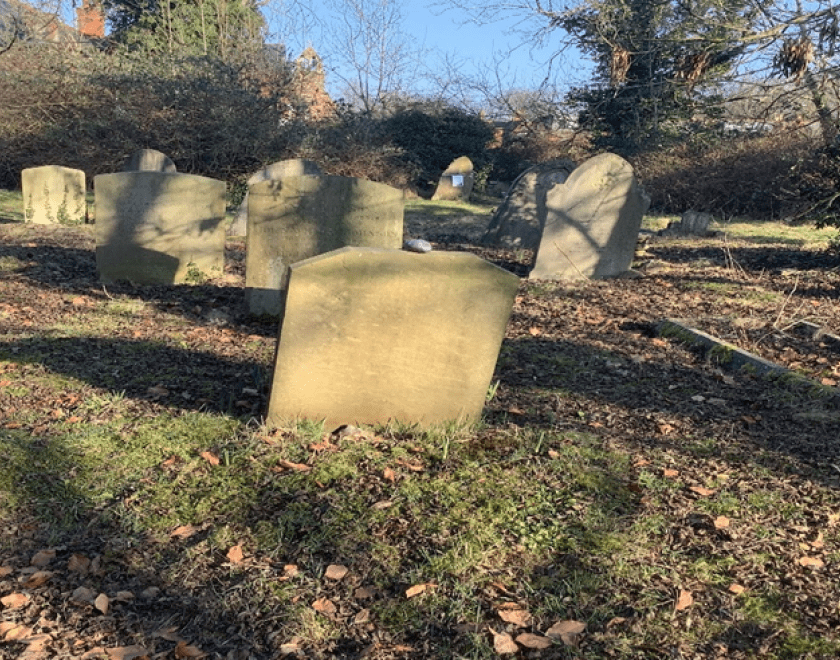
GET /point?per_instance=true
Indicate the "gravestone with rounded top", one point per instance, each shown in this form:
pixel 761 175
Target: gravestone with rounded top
pixel 519 220
pixel 456 182
pixel 53 194
pixel 373 335
pixel 302 216
pixel 159 227
pixel 274 172
pixel 592 222
pixel 149 160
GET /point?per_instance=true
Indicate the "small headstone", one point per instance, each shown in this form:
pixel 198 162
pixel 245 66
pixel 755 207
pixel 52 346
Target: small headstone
pixel 692 223
pixel 159 228
pixel 274 172
pixel 592 222
pixel 149 160
pixel 456 182
pixel 302 216
pixel 519 220
pixel 372 335
pixel 53 194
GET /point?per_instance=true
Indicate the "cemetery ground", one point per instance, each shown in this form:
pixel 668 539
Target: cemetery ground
pixel 625 495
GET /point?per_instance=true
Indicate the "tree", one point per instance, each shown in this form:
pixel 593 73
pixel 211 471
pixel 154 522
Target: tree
pixel 221 28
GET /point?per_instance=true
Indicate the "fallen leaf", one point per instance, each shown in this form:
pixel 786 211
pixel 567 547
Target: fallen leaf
pixel 124 596
pixel 290 570
pixel 325 606
pixel 184 531
pixel 721 522
pixel 389 475
pixel 705 492
pixel 15 600
pixel 78 564
pixel 568 632
pixel 517 617
pixel 336 572
pixel 300 467
pixel 364 593
pixel 37 579
pixel 15 632
pixel 83 595
pixel 532 641
pixel 210 457
pixel 170 634
pixel 503 643
pixel 42 558
pixel 291 647
pixel 684 600
pixel 94 654
pixel 811 562
pixel 417 589
pixel 382 504
pixel 36 643
pixel 172 460
pixel 102 603
pixel 6 570
pixel 534 331
pixel 235 554
pixel 414 467
pixel 126 652
pixel 363 616
pixel 182 650
pixel 669 473
pixel 737 588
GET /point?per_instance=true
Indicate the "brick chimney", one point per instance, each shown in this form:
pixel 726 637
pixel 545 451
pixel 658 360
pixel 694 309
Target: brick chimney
pixel 90 19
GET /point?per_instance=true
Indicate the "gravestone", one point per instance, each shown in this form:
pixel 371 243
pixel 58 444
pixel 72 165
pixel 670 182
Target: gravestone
pixel 691 223
pixel 159 227
pixel 456 182
pixel 592 222
pixel 302 216
pixel 149 160
pixel 373 335
pixel 53 194
pixel 519 220
pixel 274 172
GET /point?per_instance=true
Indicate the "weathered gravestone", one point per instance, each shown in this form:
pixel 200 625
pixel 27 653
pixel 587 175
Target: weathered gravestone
pixel 691 223
pixel 592 222
pixel 274 172
pixel 53 194
pixel 159 227
pixel 519 220
pixel 456 182
pixel 371 335
pixel 149 160
pixel 303 216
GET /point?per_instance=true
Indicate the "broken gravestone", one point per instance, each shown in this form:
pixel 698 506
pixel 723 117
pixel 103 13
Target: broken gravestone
pixel 456 182
pixel 692 223
pixel 159 227
pixel 274 172
pixel 53 194
pixel 149 160
pixel 519 220
pixel 302 216
pixel 372 335
pixel 592 222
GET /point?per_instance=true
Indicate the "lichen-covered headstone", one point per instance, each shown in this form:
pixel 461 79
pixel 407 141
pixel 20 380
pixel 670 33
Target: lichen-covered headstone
pixel 302 216
pixel 456 182
pixel 274 172
pixel 159 227
pixel 519 220
pixel 592 222
pixel 372 335
pixel 149 160
pixel 53 194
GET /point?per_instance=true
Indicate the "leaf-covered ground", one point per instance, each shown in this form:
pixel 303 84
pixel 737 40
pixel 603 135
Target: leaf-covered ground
pixel 626 496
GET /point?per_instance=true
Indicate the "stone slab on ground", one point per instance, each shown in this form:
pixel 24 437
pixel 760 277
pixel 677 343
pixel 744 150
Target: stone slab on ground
pixel 375 335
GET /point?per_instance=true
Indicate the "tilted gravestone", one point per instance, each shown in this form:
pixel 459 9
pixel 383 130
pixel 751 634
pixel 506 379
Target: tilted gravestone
pixel 456 182
pixel 274 172
pixel 149 160
pixel 303 216
pixel 519 220
pixel 592 222
pixel 372 335
pixel 53 194
pixel 159 227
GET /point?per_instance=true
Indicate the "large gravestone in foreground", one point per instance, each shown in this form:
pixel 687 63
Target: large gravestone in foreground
pixel 371 335
pixel 149 160
pixel 300 217
pixel 592 222
pixel 274 172
pixel 519 220
pixel 53 194
pixel 159 228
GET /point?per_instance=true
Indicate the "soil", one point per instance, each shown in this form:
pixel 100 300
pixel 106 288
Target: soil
pixel 595 342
